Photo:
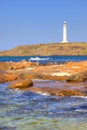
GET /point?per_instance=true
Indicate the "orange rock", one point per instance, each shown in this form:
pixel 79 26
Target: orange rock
pixel 50 77
pixel 21 84
pixel 57 91
pixel 5 77
pixel 79 77
pixel 16 65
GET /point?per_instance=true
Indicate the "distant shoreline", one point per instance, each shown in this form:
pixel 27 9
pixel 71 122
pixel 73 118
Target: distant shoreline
pixel 48 49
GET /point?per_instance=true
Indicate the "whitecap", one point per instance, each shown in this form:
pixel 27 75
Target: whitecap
pixel 79 96
pixel 37 58
pixel 81 110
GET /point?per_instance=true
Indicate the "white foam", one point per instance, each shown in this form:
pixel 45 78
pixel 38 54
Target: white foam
pixel 80 96
pixel 42 93
pixel 37 58
pixel 81 110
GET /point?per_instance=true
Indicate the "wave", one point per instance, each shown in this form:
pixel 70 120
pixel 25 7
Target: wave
pixel 80 110
pixel 37 58
pixel 80 97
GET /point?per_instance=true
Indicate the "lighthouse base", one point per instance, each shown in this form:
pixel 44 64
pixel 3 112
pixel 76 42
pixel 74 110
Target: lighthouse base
pixel 64 41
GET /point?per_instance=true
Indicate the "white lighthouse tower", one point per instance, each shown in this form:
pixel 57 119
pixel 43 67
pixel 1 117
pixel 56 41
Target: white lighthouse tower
pixel 64 33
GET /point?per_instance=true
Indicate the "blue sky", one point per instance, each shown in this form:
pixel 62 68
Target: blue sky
pixel 40 21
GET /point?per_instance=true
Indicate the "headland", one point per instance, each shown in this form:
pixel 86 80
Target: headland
pixel 71 48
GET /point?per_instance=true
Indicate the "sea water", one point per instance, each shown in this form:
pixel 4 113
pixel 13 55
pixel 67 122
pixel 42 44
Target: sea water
pixel 25 110
pixel 43 59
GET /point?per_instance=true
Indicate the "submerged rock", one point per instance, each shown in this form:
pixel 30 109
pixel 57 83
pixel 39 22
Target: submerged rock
pixel 21 84
pixel 57 92
pixel 59 88
pixel 49 87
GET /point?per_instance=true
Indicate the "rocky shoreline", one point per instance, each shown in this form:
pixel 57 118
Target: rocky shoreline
pixel 70 78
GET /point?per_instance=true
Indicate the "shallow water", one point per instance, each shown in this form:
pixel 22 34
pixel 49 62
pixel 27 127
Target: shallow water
pixel 25 110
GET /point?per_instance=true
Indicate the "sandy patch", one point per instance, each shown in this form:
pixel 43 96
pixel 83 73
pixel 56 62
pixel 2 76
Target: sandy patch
pixel 76 67
pixel 61 74
pixel 29 68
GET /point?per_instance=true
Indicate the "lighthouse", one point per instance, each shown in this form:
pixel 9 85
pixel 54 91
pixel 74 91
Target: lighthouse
pixel 64 33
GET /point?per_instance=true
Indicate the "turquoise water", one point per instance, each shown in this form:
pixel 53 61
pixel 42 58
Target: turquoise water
pixel 25 110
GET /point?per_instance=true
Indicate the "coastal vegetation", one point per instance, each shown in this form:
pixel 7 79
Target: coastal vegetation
pixel 73 48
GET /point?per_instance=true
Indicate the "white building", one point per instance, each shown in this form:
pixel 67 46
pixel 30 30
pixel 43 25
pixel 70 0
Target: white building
pixel 64 33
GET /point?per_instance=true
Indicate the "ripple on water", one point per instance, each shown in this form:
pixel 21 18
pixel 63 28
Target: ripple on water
pixel 26 110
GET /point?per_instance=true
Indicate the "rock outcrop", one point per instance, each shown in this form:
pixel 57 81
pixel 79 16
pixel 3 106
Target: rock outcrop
pixel 22 73
pixel 21 84
pixel 79 77
pixel 6 76
pixel 17 65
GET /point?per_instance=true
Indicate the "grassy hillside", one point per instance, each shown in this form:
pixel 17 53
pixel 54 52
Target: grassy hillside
pixel 48 49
